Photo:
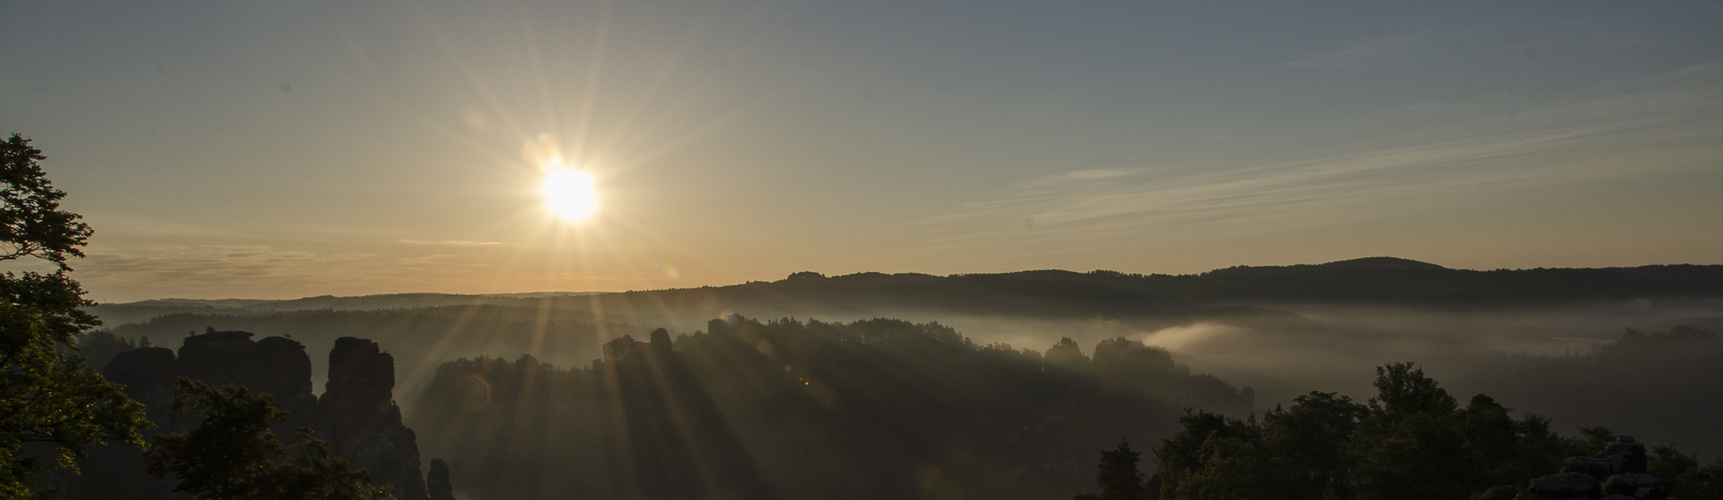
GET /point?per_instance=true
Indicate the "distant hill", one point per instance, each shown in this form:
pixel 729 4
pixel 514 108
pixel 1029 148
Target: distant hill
pixel 1050 293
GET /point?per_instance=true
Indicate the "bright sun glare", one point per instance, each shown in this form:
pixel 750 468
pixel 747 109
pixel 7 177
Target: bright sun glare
pixel 569 194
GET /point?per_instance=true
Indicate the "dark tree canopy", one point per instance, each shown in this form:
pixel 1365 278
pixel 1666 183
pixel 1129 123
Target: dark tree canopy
pixel 31 222
pixel 1119 477
pixel 233 454
pixel 803 409
pixel 1404 390
pixel 1410 442
pixel 51 404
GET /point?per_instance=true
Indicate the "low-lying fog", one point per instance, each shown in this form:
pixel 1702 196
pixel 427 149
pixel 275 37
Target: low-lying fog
pixel 1530 359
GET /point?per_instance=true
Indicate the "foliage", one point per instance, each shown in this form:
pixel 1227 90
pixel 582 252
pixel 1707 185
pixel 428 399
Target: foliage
pixel 1686 479
pixel 1232 470
pixel 1119 477
pixel 1214 457
pixel 51 404
pixel 1411 445
pixel 880 408
pixel 1308 445
pixel 31 222
pixel 1065 354
pixel 100 346
pixel 233 454
pixel 1409 442
pixel 1708 484
pixel 1679 470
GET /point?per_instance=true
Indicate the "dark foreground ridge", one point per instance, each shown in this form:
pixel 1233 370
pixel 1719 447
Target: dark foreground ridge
pixel 356 413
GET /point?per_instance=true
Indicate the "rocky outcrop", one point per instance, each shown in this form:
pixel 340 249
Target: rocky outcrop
pixel 619 348
pixel 1500 493
pixel 1621 456
pixel 1564 486
pixel 362 422
pixel 437 481
pixel 1616 473
pixel 356 414
pixel 1635 485
pixel 148 375
pixel 276 366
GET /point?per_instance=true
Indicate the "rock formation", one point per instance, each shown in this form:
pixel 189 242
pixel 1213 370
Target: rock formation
pixel 148 375
pixel 356 414
pixel 1500 493
pixel 275 366
pixel 438 481
pixel 1616 473
pixel 360 418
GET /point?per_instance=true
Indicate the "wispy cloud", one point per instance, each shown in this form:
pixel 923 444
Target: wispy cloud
pixel 422 260
pixel 116 271
pixel 1621 130
pixel 450 243
pixel 120 274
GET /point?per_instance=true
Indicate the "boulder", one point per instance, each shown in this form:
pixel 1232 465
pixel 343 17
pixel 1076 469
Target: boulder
pixel 1630 454
pixel 1641 486
pixel 1500 493
pixel 1565 486
pixel 1596 467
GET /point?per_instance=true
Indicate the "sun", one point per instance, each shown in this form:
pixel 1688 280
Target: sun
pixel 569 194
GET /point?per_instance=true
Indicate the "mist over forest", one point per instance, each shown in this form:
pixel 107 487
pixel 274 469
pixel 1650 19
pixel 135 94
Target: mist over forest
pixel 1004 384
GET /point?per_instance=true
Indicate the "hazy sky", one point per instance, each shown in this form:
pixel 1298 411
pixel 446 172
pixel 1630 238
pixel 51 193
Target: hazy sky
pixel 284 149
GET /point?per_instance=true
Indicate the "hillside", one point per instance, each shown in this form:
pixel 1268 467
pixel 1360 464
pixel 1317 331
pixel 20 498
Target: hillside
pixel 1051 293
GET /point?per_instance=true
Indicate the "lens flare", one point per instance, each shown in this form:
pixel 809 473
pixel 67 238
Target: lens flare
pixel 569 194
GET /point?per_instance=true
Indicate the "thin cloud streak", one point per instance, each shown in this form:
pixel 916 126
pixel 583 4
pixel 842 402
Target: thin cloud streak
pixel 451 243
pixel 1609 134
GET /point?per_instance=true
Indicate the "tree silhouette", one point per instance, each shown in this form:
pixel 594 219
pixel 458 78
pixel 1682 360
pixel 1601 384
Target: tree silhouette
pixel 1065 354
pixel 1309 442
pixel 1413 444
pixel 233 454
pixel 1119 477
pixel 51 404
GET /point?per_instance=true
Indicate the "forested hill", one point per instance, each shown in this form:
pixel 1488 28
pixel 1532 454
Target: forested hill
pixel 789 409
pixel 1368 281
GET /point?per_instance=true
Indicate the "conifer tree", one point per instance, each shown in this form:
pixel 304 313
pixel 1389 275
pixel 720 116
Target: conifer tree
pixel 1119 477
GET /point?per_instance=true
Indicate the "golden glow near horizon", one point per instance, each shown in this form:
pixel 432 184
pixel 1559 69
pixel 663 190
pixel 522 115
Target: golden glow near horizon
pixel 589 145
pixel 569 193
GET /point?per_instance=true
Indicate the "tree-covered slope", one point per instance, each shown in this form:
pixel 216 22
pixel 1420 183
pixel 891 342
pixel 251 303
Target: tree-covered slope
pixel 791 409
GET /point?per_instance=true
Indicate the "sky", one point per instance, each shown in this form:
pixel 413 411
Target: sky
pixel 286 149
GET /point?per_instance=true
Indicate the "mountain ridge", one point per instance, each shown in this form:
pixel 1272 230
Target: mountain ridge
pixel 1058 293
